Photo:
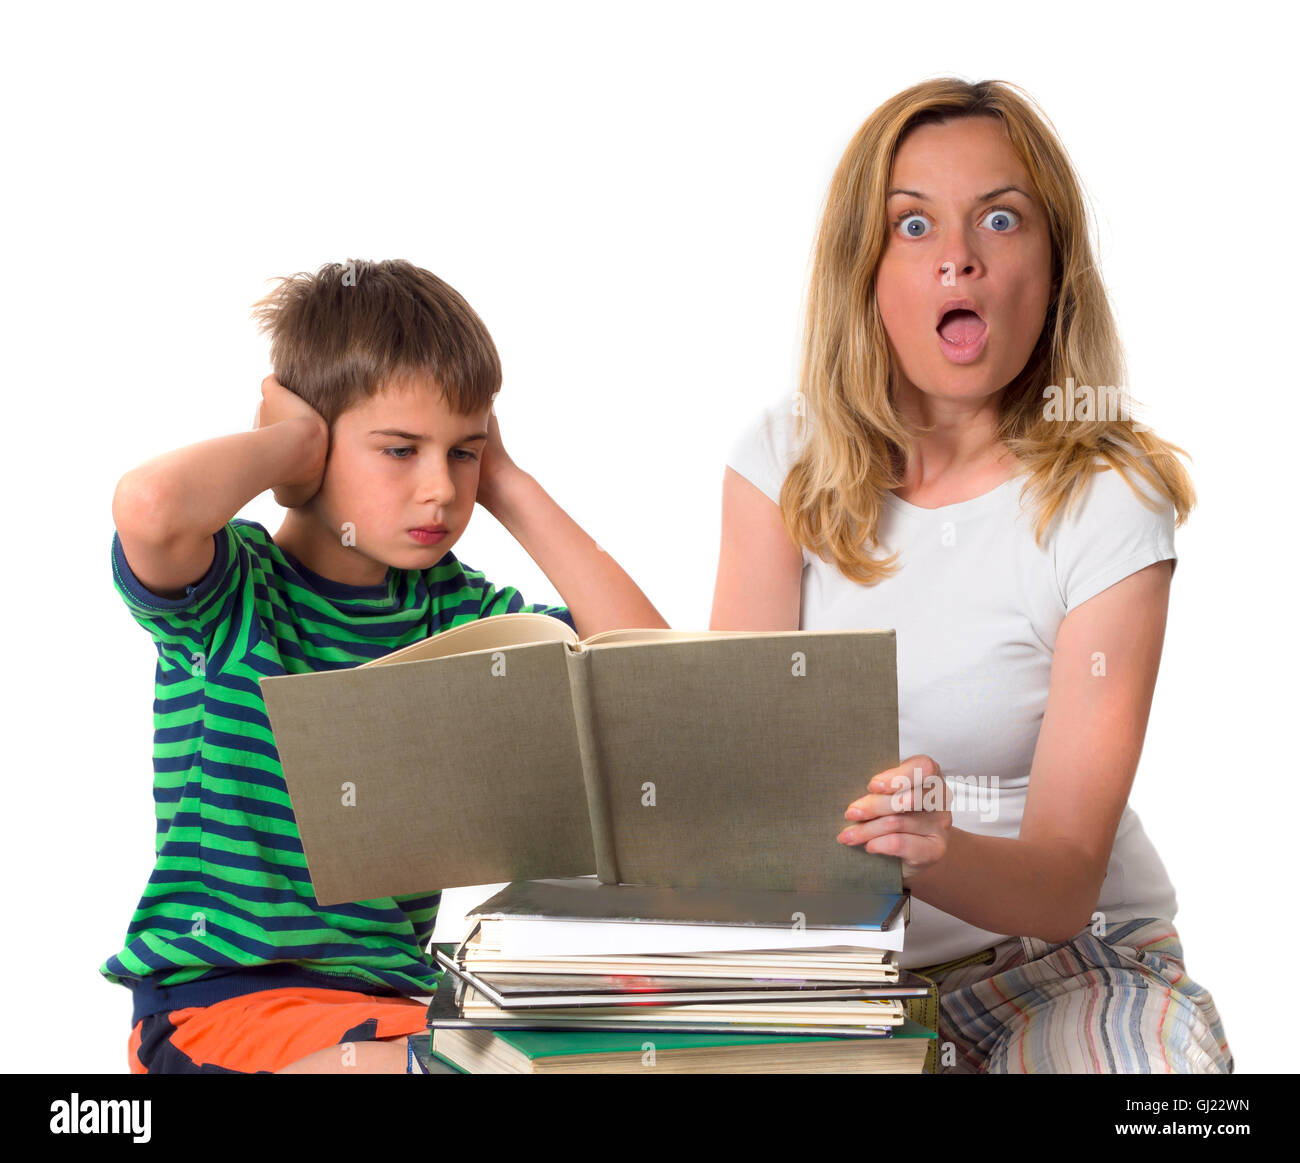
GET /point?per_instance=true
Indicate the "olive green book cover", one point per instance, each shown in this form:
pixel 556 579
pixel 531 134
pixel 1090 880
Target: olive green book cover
pixel 507 749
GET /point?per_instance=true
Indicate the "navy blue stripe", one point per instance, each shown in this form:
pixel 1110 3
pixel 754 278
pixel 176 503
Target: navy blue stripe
pixel 205 903
pixel 370 915
pixel 273 780
pixel 182 849
pixel 237 803
pixel 291 614
pixel 332 917
pixel 245 833
pixel 310 951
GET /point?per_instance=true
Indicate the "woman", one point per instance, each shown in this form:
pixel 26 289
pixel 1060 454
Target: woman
pixel 946 415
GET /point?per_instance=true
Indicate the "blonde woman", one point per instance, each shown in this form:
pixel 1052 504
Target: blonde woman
pixel 952 467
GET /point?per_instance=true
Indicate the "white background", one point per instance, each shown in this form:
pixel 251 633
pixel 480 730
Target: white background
pixel 627 195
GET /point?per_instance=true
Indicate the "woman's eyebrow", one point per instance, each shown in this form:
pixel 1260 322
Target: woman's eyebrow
pixel 981 198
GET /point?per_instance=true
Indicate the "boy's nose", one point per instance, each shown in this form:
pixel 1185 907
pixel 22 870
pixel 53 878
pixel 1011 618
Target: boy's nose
pixel 438 489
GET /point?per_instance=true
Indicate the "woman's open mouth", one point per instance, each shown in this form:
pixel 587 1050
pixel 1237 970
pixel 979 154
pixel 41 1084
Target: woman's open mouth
pixel 962 335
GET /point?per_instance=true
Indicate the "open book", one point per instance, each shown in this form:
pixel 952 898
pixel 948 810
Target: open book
pixel 508 749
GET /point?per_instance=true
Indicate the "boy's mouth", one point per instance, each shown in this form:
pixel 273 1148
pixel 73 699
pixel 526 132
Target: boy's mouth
pixel 429 534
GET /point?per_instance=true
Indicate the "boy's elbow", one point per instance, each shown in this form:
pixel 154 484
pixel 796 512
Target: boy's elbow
pixel 140 505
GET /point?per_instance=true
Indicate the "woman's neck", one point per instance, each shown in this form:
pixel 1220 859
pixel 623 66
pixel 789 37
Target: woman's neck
pixel 960 457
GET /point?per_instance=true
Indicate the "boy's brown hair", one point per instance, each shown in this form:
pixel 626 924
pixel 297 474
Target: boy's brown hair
pixel 338 335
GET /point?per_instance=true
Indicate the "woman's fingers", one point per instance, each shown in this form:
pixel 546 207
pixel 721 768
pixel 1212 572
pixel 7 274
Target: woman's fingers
pixel 868 808
pixel 916 784
pixel 914 823
pixel 931 794
pixel 914 767
pixel 905 813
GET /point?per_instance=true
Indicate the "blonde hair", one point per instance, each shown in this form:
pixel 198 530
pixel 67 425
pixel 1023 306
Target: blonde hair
pixel 857 443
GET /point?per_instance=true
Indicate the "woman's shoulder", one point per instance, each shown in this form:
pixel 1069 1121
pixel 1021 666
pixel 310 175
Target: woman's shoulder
pixel 1108 493
pixel 766 444
pixel 1118 523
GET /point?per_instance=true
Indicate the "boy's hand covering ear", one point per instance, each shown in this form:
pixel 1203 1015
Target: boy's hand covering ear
pixel 495 466
pixel 278 404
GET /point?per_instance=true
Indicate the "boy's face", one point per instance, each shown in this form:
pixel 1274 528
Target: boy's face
pixel 399 461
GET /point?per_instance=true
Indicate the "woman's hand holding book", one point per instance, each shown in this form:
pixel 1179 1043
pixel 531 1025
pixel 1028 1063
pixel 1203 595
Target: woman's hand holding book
pixel 905 814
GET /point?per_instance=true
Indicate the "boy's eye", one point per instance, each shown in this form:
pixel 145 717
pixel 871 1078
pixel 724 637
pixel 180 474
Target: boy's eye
pixel 462 454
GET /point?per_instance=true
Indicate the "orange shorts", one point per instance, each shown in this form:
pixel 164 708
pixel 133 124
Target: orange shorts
pixel 258 1033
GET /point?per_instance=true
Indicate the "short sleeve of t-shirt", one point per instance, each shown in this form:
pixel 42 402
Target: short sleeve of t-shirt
pixel 765 448
pixel 188 630
pixel 1110 534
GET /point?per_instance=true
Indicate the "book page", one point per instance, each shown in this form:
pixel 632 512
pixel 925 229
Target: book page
pixel 455 921
pixel 495 633
pixel 627 637
pixel 606 637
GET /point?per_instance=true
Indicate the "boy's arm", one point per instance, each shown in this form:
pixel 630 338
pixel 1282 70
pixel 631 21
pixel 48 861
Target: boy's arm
pixel 166 510
pixel 599 595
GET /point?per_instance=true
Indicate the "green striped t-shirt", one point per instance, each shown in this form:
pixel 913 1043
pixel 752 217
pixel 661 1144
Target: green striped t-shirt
pixel 229 907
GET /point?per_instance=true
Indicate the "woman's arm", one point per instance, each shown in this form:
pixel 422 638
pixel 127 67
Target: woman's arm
pixel 760 571
pixel 1046 883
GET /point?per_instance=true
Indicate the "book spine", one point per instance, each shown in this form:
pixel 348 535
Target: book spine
pixel 602 829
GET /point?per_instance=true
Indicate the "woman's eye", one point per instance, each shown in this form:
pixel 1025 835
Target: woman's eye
pixel 394 451
pixel 463 454
pixel 905 223
pixel 1010 217
pixel 913 222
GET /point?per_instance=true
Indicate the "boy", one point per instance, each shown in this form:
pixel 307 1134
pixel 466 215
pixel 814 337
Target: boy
pixel 377 434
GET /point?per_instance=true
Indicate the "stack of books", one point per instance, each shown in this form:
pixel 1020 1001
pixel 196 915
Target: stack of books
pixel 572 976
pixel 686 764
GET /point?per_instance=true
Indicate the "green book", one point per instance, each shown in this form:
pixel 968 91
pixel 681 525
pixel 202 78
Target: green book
pixel 482 1051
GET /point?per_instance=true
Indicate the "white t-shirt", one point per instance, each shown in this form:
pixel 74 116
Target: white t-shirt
pixel 976 606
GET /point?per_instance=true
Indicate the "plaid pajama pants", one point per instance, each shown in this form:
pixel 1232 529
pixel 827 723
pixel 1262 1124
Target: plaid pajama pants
pixel 1121 1003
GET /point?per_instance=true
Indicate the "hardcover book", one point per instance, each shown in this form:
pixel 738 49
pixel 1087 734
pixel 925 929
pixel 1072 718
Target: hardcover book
pixel 539 1044
pixel 507 750
pixel 483 1051
pixel 579 915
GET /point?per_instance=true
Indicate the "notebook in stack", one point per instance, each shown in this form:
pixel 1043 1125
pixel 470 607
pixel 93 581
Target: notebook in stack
pixel 736 990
